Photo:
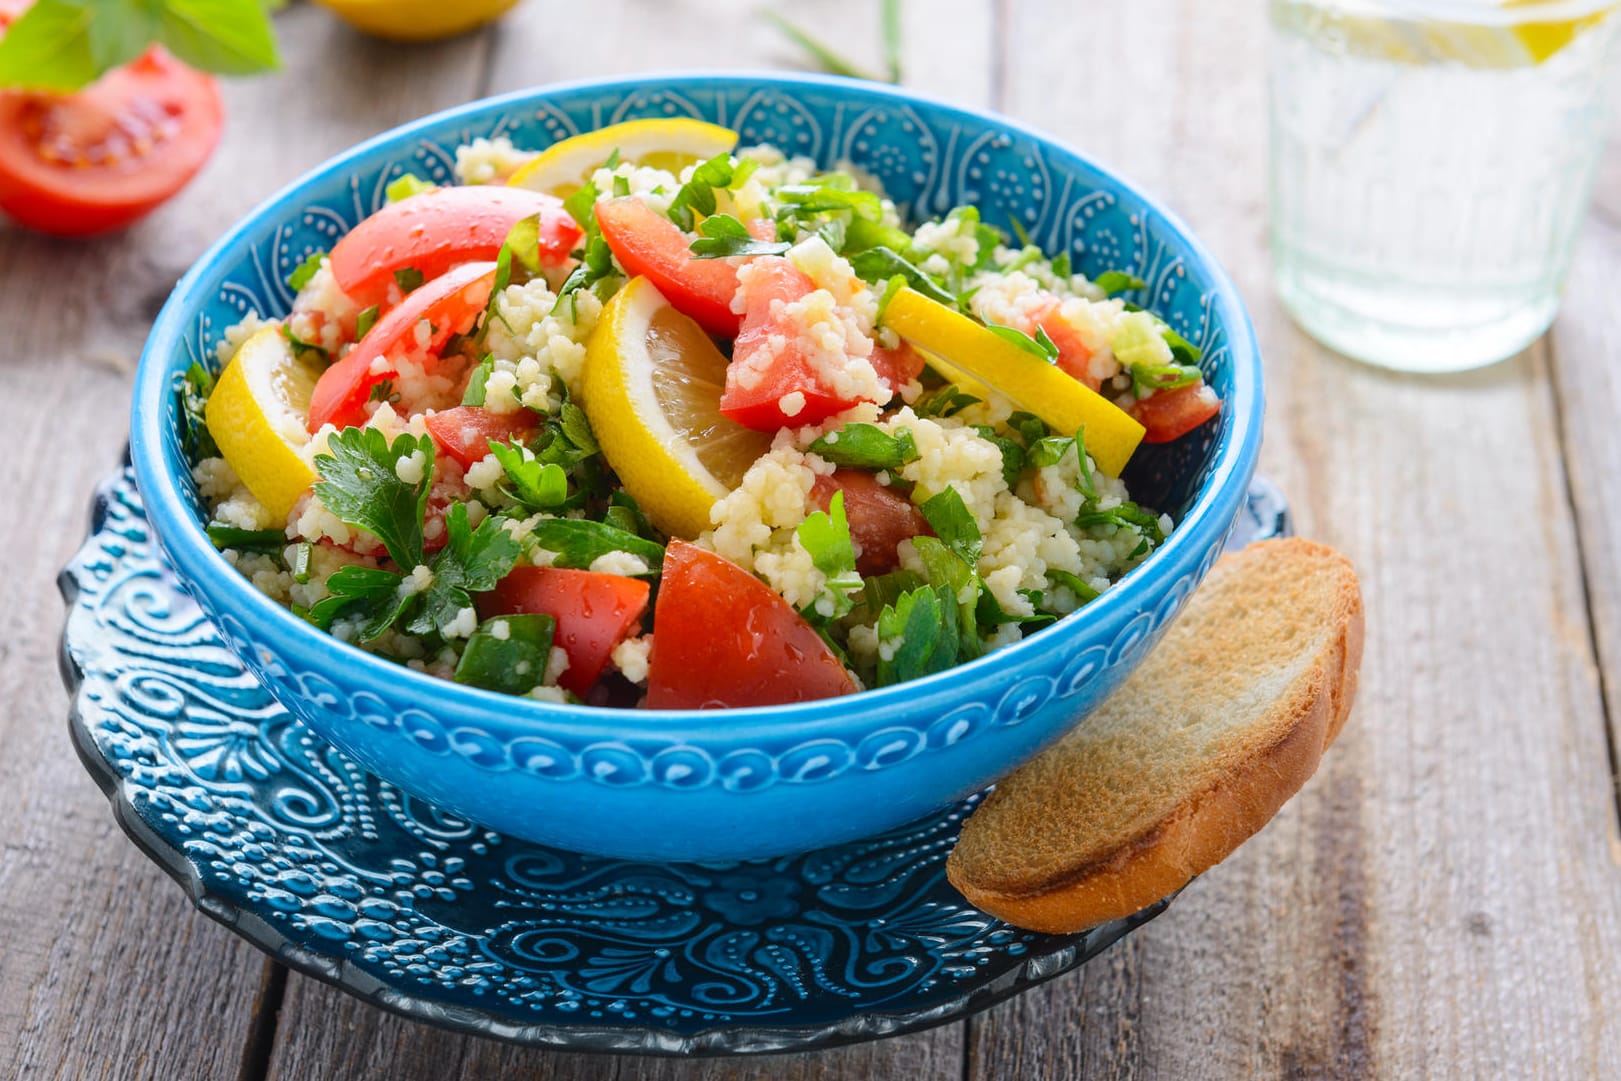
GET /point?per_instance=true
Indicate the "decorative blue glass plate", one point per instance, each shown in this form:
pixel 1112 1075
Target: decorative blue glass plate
pixel 284 839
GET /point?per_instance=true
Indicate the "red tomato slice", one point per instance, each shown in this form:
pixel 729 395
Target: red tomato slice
pixel 764 369
pixel 1171 414
pixel 437 230
pixel 466 432
pixel 647 243
pixel 722 637
pixel 880 518
pixel 449 304
pixel 897 366
pixel 594 613
pixel 1074 358
pixel 97 160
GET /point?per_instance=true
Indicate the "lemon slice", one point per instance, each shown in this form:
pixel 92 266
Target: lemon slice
pixel 967 348
pixel 257 416
pixel 671 143
pixel 416 20
pixel 652 386
pixel 1493 36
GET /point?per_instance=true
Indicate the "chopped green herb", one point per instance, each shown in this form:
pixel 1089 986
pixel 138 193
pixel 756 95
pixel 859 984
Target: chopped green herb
pixel 621 186
pixel 881 263
pixel 1126 516
pixel 408 279
pixel 697 195
pixel 508 653
pixel 300 346
pixel 360 483
pixel 866 446
pixel 578 543
pixel 951 522
pixel 1085 482
pixel 1050 450
pixel 303 555
pixel 300 277
pixel 474 394
pixel 365 321
pixel 1061 266
pixel 1076 585
pixel 193 388
pixel 826 536
pixel 919 633
pixel 1040 346
pixel 623 513
pixel 581 205
pixel 375 598
pixel 1113 282
pixel 267 541
pixel 723 235
pixel 1013 454
pixel 861 234
pixel 522 244
pixel 472 561
pixel 406 186
pixel 537 485
pixel 384 392
pixel 944 402
pixel 893 286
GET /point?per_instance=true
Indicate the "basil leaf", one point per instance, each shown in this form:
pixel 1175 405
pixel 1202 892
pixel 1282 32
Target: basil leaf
pixel 228 37
pixel 508 653
pixel 49 48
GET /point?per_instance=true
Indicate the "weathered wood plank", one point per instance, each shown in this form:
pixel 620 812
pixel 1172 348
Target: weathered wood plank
pixel 1444 897
pixel 326 1032
pixel 106 970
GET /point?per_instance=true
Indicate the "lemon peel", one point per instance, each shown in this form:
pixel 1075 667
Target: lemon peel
pixel 257 415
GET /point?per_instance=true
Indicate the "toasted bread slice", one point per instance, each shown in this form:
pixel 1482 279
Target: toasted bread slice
pixel 1221 724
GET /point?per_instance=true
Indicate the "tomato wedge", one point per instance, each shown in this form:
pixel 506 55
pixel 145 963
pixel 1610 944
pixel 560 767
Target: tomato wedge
pixel 647 243
pixel 880 518
pixel 1171 414
pixel 449 305
pixel 594 613
pixel 897 366
pixel 1074 358
pixel 466 432
pixel 437 230
pixel 767 363
pixel 99 159
pixel 722 637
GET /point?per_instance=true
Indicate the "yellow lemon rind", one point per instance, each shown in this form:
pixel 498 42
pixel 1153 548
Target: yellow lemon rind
pixel 270 467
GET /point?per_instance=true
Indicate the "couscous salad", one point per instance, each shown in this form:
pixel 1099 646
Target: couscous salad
pixel 649 419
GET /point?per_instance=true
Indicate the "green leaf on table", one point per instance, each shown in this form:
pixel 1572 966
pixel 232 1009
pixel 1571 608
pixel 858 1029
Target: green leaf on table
pixel 360 483
pixel 825 56
pixel 228 37
pixel 49 47
pixel 508 653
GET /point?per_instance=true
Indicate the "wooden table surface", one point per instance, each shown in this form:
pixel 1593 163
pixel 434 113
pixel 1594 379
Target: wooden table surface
pixel 1443 899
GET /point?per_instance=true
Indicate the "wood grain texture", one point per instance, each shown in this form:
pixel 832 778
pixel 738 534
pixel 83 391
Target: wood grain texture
pixel 324 1032
pixel 106 970
pixel 1442 900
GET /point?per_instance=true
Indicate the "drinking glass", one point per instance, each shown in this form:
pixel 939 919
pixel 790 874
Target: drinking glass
pixel 1431 163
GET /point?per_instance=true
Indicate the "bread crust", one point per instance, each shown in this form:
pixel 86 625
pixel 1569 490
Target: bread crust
pixel 1206 824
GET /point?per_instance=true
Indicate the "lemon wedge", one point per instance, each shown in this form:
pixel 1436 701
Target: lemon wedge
pixel 257 416
pixel 966 348
pixel 671 143
pixel 651 389
pixel 416 20
pixel 1497 36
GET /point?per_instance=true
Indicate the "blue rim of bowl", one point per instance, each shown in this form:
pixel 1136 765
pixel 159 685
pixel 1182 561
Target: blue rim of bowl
pixel 1203 529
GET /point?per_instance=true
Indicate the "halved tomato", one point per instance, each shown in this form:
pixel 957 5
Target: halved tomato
pixel 647 243
pixel 594 613
pixel 880 518
pixel 1171 414
pixel 449 305
pixel 434 231
pixel 466 432
pixel 96 160
pixel 722 637
pixel 767 363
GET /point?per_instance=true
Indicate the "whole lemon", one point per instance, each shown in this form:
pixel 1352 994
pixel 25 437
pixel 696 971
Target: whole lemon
pixel 416 20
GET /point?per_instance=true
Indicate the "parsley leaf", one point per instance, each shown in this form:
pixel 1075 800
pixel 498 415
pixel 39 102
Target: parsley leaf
pixel 920 634
pixel 1013 455
pixel 1076 585
pixel 826 536
pixel 474 394
pixel 623 513
pixel 406 186
pixel 472 561
pixel 596 258
pixel 537 485
pixel 944 402
pixel 300 277
pixel 697 195
pixel 267 541
pixel 949 518
pixel 375 597
pixel 1113 282
pixel 359 483
pixel 508 653
pixel 1126 515
pixel 193 387
pixel 723 235
pixel 523 244
pixel 866 446
pixel 1040 346
pixel 300 346
pixel 881 263
pixel 365 321
pixel 578 543
pixel 408 279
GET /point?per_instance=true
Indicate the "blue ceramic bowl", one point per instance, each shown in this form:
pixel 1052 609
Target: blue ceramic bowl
pixel 729 784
